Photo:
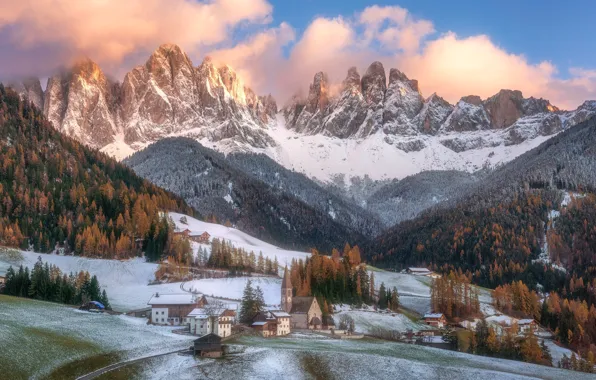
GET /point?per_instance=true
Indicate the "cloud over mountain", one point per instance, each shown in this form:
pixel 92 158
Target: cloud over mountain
pixel 275 57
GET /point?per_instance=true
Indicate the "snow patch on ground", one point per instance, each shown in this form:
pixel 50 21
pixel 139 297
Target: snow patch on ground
pixel 238 238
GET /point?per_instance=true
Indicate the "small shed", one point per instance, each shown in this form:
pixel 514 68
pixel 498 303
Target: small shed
pixel 208 346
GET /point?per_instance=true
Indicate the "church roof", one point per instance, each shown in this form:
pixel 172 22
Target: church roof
pixel 301 304
pixel 286 283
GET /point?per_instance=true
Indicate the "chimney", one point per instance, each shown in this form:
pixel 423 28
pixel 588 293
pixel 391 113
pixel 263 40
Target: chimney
pixel 156 295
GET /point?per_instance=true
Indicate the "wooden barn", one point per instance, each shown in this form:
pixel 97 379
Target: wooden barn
pixel 208 346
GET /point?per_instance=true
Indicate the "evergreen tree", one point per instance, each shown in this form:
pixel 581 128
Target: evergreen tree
pixel 382 296
pixel 248 307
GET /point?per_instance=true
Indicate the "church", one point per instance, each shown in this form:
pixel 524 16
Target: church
pixel 305 312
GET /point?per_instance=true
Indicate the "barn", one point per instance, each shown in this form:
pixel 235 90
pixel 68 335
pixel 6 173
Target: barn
pixel 208 346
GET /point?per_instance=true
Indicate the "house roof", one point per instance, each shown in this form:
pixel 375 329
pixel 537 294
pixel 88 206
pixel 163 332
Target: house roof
pixel 202 313
pixel 301 304
pixel 501 319
pixel 414 269
pixel 229 313
pixel 173 299
pixel 209 338
pixel 286 282
pixel 525 321
pixel 259 323
pixel 433 315
pixel 280 314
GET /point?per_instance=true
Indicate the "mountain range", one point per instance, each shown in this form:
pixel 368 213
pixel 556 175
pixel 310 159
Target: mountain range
pixel 370 124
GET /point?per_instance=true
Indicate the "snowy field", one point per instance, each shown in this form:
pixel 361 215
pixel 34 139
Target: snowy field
pixel 295 357
pixel 369 322
pixel 127 282
pixel 232 288
pixel 38 337
pixel 238 238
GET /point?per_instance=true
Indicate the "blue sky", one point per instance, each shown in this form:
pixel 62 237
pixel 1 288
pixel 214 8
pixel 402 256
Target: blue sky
pixel 540 30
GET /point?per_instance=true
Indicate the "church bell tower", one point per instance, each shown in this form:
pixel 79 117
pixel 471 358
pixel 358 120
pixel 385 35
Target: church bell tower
pixel 286 292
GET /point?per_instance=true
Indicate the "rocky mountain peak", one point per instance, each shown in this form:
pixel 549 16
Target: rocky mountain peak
pixel 318 96
pixel 472 99
pixel 29 88
pixel 432 115
pixel 352 80
pixel 507 106
pixel 402 103
pixel 374 83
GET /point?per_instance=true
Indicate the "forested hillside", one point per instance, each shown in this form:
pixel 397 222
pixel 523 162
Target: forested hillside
pixel 221 190
pixel 57 193
pixel 538 209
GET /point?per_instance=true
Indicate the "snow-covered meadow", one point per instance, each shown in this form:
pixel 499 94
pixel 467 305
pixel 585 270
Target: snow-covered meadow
pixel 295 357
pixel 127 282
pixel 38 337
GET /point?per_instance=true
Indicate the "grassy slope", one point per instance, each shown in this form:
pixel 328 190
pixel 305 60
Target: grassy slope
pixel 40 338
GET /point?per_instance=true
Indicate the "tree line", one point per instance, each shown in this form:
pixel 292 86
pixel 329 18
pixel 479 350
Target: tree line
pixel 453 296
pixel 48 283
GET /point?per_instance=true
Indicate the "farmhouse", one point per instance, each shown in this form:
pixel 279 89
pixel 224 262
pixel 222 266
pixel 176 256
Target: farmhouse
pixel 185 233
pixel 201 237
pixel 203 321
pixel 419 271
pixel 525 325
pixel 2 280
pixel 422 272
pixel 502 324
pixel 272 323
pixel 208 346
pixel 435 320
pixel 173 309
pixel 305 312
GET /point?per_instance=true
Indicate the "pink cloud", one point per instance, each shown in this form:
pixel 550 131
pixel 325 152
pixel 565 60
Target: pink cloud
pixel 108 30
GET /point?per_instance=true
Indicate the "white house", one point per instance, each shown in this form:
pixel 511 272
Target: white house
pixel 526 325
pixel 283 321
pixel 272 323
pixel 172 309
pixel 203 321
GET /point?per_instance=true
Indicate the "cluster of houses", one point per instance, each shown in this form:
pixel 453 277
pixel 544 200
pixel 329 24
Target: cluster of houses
pixel 193 310
pixel 501 324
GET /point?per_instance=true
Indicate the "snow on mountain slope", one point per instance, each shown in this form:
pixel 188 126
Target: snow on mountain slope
pixel 379 156
pixel 238 238
pixel 127 282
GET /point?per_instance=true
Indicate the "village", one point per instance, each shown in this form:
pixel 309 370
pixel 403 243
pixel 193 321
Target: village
pixel 215 322
pixel 209 312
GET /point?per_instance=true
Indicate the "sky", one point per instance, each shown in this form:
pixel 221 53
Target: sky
pixel 453 48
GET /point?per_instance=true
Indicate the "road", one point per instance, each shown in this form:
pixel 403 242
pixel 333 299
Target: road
pixel 112 367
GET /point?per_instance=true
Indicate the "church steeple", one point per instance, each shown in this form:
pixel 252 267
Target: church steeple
pixel 286 292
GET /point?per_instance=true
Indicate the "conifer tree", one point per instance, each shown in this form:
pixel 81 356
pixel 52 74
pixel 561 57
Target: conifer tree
pixel 382 296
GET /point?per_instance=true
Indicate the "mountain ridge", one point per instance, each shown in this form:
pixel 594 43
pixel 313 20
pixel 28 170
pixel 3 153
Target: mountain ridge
pixel 169 96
